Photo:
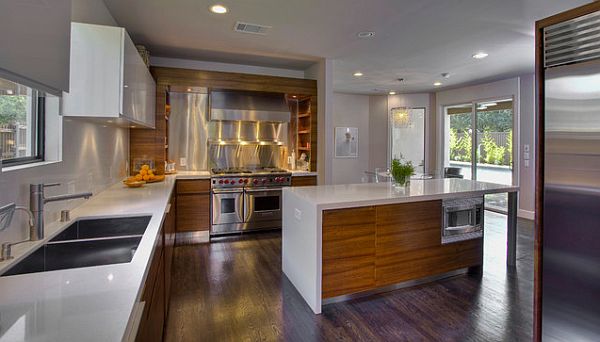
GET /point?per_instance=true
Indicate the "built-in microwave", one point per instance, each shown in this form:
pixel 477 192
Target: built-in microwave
pixel 462 219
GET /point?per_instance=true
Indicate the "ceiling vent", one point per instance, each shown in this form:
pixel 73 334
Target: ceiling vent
pixel 251 28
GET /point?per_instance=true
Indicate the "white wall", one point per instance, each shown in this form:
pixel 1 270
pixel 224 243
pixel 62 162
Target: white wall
pixel 351 111
pixel 522 90
pixel 378 132
pixel 323 73
pixel 224 67
pixel 94 156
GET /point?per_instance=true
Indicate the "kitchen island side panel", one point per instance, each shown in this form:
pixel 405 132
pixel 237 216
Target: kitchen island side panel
pixel 301 248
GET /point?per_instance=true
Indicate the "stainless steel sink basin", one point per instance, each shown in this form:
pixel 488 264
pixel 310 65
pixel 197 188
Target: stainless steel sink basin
pixel 85 243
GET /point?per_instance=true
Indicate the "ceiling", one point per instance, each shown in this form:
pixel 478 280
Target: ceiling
pixel 414 40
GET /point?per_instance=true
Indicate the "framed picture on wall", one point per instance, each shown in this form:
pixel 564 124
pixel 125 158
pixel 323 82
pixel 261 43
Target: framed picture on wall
pixel 346 142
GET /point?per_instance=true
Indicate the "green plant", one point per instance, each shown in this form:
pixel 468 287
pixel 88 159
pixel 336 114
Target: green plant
pixel 401 171
pixel 463 147
pixel 494 154
pixel 509 144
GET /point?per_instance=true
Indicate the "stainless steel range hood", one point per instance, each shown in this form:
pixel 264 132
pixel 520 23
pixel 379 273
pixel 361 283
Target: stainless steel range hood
pixel 248 106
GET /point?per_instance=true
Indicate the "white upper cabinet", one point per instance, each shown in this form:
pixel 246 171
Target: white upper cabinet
pixel 109 80
pixel 35 43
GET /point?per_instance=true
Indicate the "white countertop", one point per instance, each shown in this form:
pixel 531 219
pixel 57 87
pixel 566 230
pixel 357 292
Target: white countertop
pixel 356 195
pixel 193 174
pixel 300 173
pixel 83 304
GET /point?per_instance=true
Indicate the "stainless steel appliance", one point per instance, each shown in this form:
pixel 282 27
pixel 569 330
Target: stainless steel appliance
pixel 462 219
pixel 188 130
pixel 246 200
pixel 570 271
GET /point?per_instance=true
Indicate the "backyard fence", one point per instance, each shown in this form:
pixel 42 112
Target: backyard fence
pixel 13 141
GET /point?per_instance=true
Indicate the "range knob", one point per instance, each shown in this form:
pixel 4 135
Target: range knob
pixel 255 181
pixel 246 181
pixel 241 181
pixel 277 179
pixel 220 181
pixel 264 180
pixel 227 181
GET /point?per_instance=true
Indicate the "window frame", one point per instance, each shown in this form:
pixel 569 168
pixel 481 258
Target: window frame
pixel 38 123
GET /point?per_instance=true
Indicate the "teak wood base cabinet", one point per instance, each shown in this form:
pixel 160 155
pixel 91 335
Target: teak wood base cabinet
pixel 304 180
pixel 157 288
pixel 372 247
pixel 193 205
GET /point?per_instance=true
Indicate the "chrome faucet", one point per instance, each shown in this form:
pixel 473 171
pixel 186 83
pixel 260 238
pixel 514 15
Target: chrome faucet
pixel 6 246
pixel 37 200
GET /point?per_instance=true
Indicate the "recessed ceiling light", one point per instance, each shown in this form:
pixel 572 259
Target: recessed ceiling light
pixel 392 92
pixel 218 9
pixel 189 89
pixel 365 34
pixel 480 55
pixel 294 96
pixel 358 74
pixel 437 84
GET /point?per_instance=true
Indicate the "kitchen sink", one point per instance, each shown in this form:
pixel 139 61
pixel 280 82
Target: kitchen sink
pixel 86 243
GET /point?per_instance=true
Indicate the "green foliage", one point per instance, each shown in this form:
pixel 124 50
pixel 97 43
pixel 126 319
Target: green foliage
pixel 509 147
pixel 401 171
pixel 13 108
pixel 494 154
pixel 463 147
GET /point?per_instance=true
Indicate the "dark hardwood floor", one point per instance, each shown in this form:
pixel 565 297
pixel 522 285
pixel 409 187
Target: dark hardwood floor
pixel 233 290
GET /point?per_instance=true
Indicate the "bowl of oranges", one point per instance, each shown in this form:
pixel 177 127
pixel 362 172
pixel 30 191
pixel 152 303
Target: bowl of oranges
pixel 145 175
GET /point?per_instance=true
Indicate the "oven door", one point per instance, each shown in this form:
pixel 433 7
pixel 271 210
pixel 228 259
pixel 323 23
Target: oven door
pixel 463 216
pixel 262 205
pixel 227 206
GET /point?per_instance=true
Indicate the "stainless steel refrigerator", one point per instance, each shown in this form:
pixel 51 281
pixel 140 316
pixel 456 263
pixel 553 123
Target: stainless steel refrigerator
pixel 571 188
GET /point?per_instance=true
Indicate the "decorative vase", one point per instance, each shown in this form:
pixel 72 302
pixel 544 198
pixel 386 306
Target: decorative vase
pixel 401 183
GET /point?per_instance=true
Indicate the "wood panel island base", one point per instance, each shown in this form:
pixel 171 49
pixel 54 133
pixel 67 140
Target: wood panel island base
pixel 341 241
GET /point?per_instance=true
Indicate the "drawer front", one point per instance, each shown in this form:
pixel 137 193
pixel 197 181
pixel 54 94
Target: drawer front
pixel 194 186
pixel 304 180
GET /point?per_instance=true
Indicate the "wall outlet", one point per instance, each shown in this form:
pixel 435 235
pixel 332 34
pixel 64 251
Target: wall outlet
pixel 183 161
pixel 525 148
pixel 298 214
pixel 526 162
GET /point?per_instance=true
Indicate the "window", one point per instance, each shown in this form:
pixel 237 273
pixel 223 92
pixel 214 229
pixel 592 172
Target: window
pixel 21 124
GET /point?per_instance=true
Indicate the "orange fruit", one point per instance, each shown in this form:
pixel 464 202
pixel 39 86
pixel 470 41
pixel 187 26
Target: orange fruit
pixel 143 172
pixel 146 178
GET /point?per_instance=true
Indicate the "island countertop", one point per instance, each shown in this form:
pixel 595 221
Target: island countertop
pixel 356 195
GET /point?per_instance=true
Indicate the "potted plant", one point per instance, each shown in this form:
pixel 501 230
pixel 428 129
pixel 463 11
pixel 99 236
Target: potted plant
pixel 401 171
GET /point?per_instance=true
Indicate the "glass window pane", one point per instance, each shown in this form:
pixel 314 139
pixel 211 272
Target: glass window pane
pixel 408 136
pixel 458 141
pixel 18 116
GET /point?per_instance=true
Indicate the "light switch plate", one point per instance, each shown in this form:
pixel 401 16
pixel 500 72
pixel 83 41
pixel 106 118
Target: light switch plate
pixel 527 163
pixel 183 161
pixel 526 156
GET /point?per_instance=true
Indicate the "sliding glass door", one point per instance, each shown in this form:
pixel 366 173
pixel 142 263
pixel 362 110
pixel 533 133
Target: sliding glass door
pixel 487 155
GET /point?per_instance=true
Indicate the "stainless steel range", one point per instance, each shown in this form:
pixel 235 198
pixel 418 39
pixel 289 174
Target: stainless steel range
pixel 246 199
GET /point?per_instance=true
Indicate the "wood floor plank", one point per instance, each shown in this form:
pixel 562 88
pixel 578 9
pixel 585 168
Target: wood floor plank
pixel 233 290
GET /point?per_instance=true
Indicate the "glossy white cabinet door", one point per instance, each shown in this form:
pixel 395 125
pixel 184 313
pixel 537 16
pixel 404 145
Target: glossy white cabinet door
pixel 109 80
pixel 34 43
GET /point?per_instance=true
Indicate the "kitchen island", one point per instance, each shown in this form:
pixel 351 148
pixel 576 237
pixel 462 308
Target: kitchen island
pixel 341 241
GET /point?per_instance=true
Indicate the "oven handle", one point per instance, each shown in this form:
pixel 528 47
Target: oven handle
pixel 262 190
pixel 461 228
pixel 227 191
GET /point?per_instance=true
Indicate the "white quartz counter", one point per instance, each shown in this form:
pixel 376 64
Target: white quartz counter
pixel 84 304
pixel 356 195
pixel 299 173
pixel 193 174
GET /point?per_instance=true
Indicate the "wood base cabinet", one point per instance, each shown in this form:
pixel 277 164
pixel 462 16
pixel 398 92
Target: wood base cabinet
pixel 193 205
pixel 304 180
pixel 157 288
pixel 372 247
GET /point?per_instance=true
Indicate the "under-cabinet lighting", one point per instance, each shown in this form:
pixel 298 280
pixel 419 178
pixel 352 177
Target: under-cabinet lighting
pixel 480 55
pixel 357 74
